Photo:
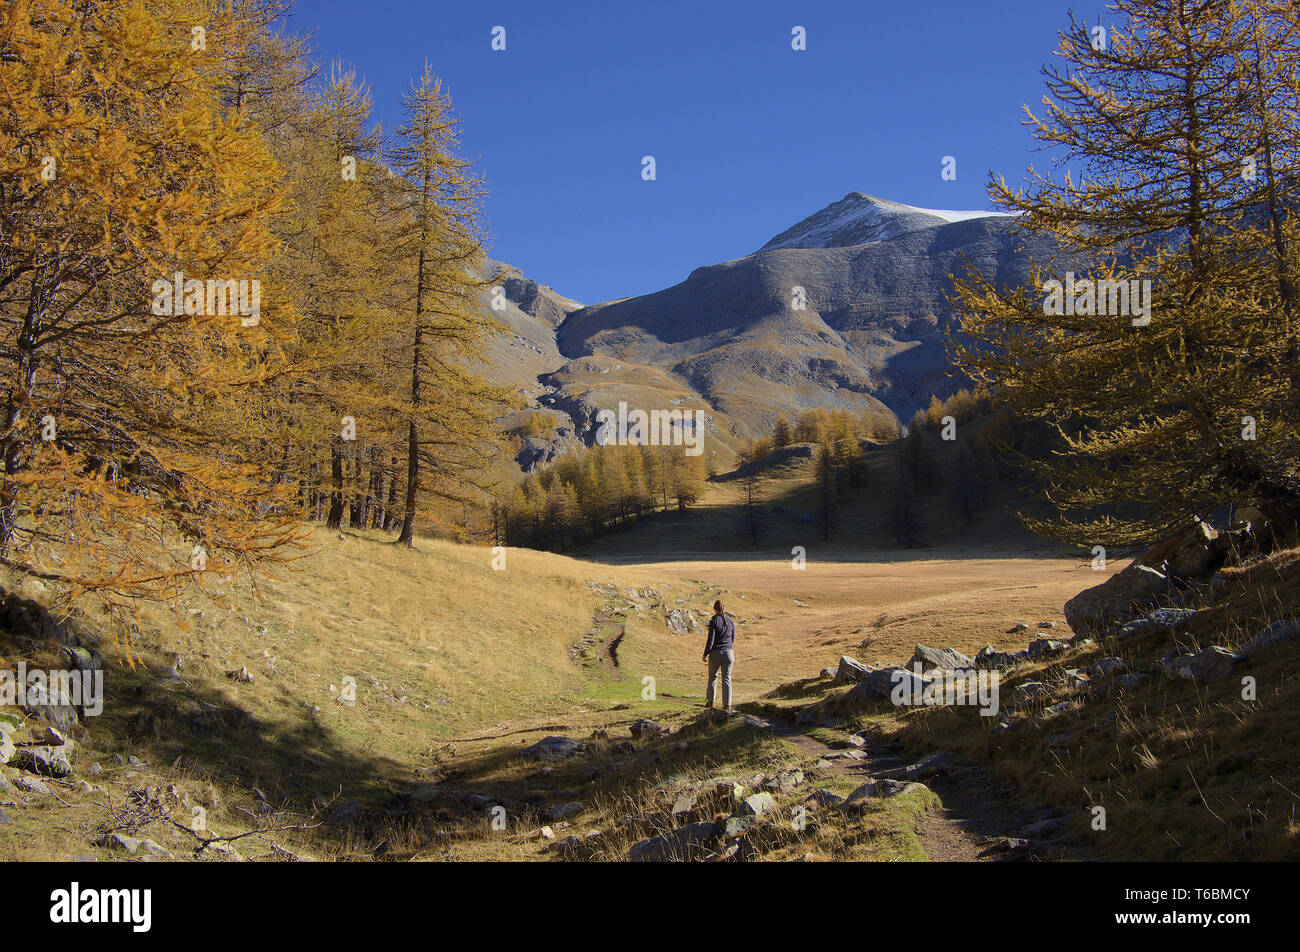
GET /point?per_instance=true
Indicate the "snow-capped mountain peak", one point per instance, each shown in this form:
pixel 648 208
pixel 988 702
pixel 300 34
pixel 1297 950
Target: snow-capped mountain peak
pixel 857 219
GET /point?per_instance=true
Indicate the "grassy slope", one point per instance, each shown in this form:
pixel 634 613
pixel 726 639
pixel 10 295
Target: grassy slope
pixel 457 666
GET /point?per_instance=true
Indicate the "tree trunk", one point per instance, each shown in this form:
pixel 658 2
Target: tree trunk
pixel 335 518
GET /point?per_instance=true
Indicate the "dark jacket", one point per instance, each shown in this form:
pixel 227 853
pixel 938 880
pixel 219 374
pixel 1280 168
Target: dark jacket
pixel 722 634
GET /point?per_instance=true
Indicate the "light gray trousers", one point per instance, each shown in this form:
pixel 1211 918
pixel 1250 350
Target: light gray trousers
pixel 720 662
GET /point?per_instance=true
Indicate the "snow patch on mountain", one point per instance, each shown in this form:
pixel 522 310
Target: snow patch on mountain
pixel 859 219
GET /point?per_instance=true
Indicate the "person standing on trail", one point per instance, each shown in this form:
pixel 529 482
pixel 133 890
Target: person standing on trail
pixel 719 652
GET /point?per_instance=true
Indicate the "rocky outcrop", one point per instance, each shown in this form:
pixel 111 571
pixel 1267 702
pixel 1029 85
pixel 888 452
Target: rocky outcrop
pixel 681 621
pixel 1163 571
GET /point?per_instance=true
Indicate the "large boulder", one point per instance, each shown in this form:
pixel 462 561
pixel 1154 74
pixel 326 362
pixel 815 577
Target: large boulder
pixel 1187 555
pixel 851 671
pixel 878 687
pixel 939 659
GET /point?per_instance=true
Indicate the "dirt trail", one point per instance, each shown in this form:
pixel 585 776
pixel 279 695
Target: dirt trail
pixel 976 822
pixel 601 642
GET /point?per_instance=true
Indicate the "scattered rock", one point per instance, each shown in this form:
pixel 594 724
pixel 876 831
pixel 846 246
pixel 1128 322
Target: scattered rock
pixel 1043 827
pixel 563 811
pixel 117 842
pixel 879 790
pixel 938 659
pixel 1041 648
pixel 823 798
pixel 828 673
pixel 879 687
pixel 735 826
pixel 784 782
pixel 1104 667
pixel 155 849
pixel 681 621
pixel 1027 690
pixel 349 811
pixel 850 740
pixel 990 658
pixel 53 710
pixel 645 729
pixel 851 671
pixel 690 842
pixel 1204 667
pixel 1274 633
pixel 242 676
pixel 683 806
pixel 47 761
pixel 546 833
pixel 31 785
pixel 552 748
pixel 757 804
pixel 729 790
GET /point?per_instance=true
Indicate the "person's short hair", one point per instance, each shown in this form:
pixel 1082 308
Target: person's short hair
pixel 717 606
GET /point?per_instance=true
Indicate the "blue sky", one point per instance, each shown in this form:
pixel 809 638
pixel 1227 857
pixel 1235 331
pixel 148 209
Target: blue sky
pixel 748 135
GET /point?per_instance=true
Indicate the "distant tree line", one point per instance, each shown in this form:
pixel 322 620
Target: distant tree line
pixel 595 490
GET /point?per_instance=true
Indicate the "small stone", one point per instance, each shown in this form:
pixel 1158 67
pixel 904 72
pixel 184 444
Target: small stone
pixel 683 805
pixel 784 782
pixel 879 790
pixel 31 785
pixel 735 826
pixel 824 798
pixel 646 729
pixel 47 761
pixel 349 811
pixel 118 842
pixel 757 804
pixel 564 810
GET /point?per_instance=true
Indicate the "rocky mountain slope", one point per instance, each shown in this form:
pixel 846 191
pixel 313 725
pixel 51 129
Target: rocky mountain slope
pixel 848 308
